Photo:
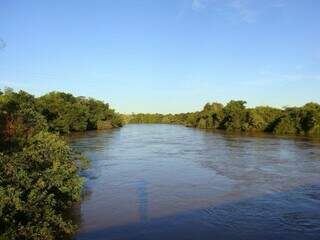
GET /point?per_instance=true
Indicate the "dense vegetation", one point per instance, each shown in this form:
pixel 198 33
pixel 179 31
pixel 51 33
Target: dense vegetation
pixel 234 116
pixel 39 172
pixel 156 118
pixel 65 113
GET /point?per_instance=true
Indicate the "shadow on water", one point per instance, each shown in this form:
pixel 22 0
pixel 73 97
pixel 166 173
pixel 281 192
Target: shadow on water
pixel 253 134
pixel 284 215
pixel 142 200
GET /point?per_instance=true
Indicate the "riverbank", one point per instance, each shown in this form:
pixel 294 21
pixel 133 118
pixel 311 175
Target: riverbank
pixel 235 117
pixel 39 173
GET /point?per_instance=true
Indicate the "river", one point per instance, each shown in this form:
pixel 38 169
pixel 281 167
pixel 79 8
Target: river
pixel 162 182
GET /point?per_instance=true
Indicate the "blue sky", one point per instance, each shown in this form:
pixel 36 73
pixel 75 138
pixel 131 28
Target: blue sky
pixel 166 55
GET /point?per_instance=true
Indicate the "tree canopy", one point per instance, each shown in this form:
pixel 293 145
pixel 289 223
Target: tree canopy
pixel 66 113
pixel 39 172
pixel 235 116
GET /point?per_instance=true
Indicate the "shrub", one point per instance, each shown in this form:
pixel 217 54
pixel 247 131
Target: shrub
pixel 37 185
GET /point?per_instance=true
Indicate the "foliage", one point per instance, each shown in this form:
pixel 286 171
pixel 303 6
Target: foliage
pixel 211 116
pixel 236 117
pixel 310 122
pixel 37 185
pixel 18 119
pixel 66 113
pixel 263 118
pixel 39 177
pixel 304 120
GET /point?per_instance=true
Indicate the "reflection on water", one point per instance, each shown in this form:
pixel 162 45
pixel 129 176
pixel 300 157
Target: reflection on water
pixel 172 182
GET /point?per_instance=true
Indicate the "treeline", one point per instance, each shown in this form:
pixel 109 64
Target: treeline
pixel 234 116
pixel 156 118
pixel 65 113
pixel 39 172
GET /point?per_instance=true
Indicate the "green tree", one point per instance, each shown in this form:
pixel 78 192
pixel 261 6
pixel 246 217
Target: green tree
pixel 18 119
pixel 235 116
pixel 289 123
pixel 39 177
pixel 211 116
pixel 66 113
pixel 37 185
pixel 263 118
pixel 311 118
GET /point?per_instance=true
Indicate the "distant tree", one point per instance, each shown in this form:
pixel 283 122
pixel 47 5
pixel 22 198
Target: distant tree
pixel 262 118
pixel 235 116
pixel 66 113
pixel 211 116
pixel 289 123
pixel 57 107
pixel 310 122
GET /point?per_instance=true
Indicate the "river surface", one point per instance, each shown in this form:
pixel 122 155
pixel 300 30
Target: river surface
pixel 163 182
